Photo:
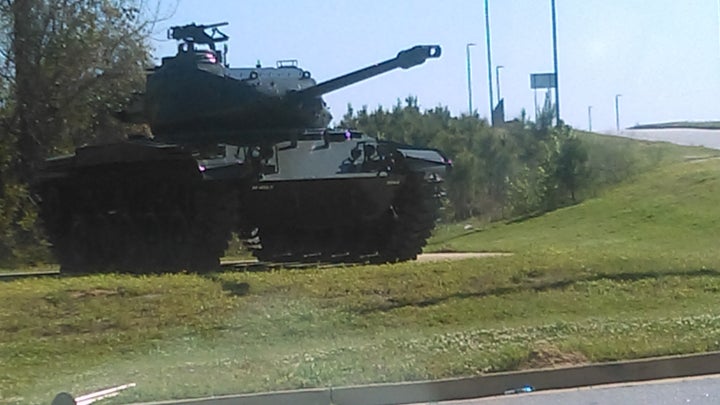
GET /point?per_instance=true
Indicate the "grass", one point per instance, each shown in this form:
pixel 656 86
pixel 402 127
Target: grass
pixel 660 214
pixel 618 166
pixel 632 273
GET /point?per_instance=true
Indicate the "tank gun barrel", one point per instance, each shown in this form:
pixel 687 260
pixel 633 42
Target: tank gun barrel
pixel 404 59
pixel 216 25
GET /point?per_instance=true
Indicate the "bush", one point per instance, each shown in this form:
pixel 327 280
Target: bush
pixel 519 169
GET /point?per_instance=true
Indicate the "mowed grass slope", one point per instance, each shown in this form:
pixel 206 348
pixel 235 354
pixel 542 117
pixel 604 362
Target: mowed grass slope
pixel 630 274
pixel 669 213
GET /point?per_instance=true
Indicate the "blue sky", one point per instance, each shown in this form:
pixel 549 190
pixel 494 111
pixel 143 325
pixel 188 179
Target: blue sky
pixel 663 56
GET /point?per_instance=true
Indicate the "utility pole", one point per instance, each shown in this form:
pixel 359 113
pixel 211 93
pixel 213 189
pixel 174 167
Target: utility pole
pixel 589 118
pixel 555 62
pixel 497 80
pixel 617 113
pixel 489 60
pixel 469 78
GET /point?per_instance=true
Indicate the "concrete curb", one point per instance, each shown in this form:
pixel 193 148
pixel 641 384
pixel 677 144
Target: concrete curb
pixel 299 397
pixel 481 386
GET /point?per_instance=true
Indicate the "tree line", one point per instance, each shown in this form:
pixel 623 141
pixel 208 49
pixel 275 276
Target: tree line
pixel 521 168
pixel 66 67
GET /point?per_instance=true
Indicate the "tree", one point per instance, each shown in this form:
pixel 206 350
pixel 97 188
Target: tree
pixel 572 168
pixel 70 65
pixel 521 169
pixel 66 68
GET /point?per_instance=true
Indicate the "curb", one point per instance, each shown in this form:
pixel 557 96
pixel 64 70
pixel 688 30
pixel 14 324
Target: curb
pixel 12 276
pixel 299 397
pixel 480 386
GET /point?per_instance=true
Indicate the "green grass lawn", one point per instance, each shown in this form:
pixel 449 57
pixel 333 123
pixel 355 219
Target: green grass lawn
pixel 632 273
pixel 671 212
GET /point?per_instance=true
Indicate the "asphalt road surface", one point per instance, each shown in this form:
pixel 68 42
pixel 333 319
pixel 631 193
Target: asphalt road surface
pixel 694 390
pixel 690 137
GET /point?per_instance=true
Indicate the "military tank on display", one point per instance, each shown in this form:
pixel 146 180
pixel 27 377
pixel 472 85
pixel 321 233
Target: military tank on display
pixel 244 150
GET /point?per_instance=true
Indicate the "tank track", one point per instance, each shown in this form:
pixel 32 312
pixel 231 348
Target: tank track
pixel 138 225
pixel 410 220
pixel 399 235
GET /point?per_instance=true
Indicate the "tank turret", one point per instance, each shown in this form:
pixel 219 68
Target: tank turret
pixel 196 92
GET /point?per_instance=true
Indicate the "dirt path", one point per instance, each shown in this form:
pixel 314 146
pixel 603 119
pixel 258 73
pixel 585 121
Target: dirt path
pixel 439 257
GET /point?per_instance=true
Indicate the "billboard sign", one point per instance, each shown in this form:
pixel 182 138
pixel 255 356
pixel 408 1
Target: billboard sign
pixel 543 81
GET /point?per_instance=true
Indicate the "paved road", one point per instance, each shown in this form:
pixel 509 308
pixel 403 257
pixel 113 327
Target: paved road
pixel 691 137
pixel 695 391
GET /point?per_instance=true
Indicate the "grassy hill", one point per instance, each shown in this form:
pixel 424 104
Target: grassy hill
pixel 631 273
pixel 671 211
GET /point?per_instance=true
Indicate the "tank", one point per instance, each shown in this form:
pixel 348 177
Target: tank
pixel 243 150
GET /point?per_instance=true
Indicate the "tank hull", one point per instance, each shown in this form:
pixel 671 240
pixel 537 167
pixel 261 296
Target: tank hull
pixel 313 204
pixel 144 206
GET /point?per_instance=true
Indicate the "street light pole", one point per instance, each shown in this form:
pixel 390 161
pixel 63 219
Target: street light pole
pixel 467 51
pixel 589 118
pixel 617 112
pixel 489 60
pixel 555 62
pixel 497 79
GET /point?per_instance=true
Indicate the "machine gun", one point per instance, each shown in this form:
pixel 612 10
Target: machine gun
pixel 197 34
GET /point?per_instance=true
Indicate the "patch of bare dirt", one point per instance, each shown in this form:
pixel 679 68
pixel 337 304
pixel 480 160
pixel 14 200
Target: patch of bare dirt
pixel 439 257
pixel 549 356
pixel 96 292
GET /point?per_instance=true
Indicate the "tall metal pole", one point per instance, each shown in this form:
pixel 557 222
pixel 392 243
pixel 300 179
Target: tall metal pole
pixel 617 113
pixel 489 60
pixel 589 118
pixel 470 106
pixel 718 10
pixel 497 80
pixel 555 62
